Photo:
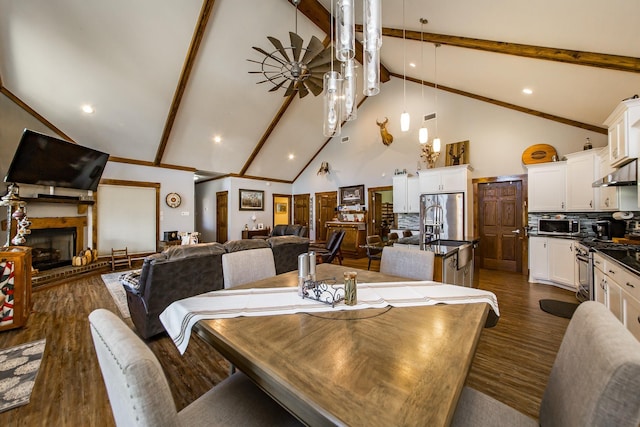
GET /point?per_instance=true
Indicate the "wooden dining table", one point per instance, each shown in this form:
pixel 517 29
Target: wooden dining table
pixel 372 367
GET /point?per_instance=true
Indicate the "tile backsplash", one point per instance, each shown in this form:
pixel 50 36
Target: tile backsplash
pixel 586 220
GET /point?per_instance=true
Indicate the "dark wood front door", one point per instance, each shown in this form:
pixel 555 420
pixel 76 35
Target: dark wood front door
pixel 301 209
pixel 326 204
pixel 222 224
pixel 500 225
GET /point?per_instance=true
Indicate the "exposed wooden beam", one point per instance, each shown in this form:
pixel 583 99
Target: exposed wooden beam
pixel 576 57
pixel 34 113
pixel 187 67
pixel 536 113
pixel 320 16
pixel 150 164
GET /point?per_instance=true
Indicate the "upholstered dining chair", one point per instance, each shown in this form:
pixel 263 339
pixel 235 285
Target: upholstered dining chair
pixel 409 263
pixel 392 238
pixel 374 248
pixel 140 395
pixel 243 267
pixel 594 381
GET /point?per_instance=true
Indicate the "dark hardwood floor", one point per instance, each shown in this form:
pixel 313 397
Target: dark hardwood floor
pixel 512 363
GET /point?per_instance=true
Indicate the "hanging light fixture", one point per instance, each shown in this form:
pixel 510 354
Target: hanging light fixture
pixel 423 133
pixel 436 140
pixel 405 119
pixel 332 82
pixel 372 32
pixel 345 30
pixel 349 86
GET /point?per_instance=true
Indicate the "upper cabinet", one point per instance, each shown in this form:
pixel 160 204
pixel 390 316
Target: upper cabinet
pixel 624 132
pixel 547 192
pixel 450 179
pixel 581 169
pixel 406 194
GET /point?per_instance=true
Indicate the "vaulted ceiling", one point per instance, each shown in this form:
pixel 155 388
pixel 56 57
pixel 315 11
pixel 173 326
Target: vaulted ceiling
pixel 166 77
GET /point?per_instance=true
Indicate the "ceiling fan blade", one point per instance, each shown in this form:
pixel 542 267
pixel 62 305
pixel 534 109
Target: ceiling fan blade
pixel 290 89
pixel 323 57
pixel 314 48
pixel 278 86
pixel 313 86
pixel 296 44
pixel 321 69
pixel 265 53
pixel 302 90
pixel 278 45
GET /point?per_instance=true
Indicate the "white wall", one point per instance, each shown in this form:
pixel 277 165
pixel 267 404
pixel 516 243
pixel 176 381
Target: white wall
pixel 497 136
pixel 206 194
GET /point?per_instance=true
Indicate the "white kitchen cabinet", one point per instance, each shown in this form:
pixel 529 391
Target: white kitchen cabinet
pixel 406 194
pixel 547 192
pixel 624 132
pixel 631 314
pixel 450 179
pixel 552 261
pixel 613 198
pixel 581 169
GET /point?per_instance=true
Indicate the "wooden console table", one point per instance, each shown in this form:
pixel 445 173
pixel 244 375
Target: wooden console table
pixel 355 234
pixel 248 234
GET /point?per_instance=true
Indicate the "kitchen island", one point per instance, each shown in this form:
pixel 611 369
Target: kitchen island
pixel 454 262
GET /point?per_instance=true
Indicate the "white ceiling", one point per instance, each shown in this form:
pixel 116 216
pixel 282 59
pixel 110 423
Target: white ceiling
pixel 126 58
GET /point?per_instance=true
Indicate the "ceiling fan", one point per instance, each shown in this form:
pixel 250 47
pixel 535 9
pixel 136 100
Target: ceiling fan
pixel 301 67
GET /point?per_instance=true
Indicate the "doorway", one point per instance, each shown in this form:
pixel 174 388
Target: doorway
pixel 281 209
pixel 222 225
pixel 301 210
pixel 501 221
pixel 381 217
pixel 326 204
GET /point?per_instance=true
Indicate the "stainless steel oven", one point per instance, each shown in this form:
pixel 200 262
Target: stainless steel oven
pixel 584 261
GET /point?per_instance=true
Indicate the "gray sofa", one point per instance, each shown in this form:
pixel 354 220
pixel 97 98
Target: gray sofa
pixel 184 271
pixel 286 230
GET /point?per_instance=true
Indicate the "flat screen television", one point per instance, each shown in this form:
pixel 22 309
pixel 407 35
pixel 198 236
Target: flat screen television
pixel 44 160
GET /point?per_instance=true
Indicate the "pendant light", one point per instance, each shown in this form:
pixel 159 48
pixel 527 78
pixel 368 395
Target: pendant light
pixel 423 133
pixel 332 83
pixel 345 30
pixel 405 119
pixel 372 33
pixel 349 86
pixel 436 140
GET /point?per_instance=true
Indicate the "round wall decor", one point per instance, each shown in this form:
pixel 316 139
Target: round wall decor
pixel 173 200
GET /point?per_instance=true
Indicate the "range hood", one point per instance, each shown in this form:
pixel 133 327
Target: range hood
pixel 624 175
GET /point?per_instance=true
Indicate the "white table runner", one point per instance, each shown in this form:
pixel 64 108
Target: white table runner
pixel 180 316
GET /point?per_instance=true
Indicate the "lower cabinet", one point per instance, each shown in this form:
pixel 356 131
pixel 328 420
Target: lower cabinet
pixel 355 235
pixel 552 261
pixel 15 286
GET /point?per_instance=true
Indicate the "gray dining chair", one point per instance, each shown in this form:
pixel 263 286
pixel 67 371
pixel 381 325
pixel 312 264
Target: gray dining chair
pixel 243 267
pixel 140 395
pixel 595 380
pixel 409 263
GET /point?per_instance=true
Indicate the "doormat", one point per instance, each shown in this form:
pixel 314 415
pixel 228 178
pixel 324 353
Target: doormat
pixel 18 369
pixel 558 308
pixel 117 292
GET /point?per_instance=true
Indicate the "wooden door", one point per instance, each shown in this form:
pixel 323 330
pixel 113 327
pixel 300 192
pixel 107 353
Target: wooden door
pixel 500 225
pixel 301 209
pixel 326 204
pixel 375 215
pixel 222 221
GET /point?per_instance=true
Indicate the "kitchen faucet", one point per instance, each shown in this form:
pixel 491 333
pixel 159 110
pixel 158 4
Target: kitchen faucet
pixel 432 231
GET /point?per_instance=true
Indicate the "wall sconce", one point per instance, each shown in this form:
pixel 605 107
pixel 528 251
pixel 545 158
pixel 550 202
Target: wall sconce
pixel 430 153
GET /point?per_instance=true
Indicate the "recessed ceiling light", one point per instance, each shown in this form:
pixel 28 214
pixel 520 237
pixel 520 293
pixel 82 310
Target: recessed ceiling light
pixel 86 108
pixel 217 139
pixel 291 156
pixel 412 64
pixel 527 91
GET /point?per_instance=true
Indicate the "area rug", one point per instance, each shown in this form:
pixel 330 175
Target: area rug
pixel 18 369
pixel 558 308
pixel 117 291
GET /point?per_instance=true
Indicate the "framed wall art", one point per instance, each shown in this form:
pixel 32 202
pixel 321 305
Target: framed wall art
pixel 251 200
pixel 457 154
pixel 281 208
pixel 353 195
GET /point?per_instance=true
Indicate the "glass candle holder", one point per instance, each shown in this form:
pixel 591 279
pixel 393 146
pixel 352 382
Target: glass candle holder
pixel 350 288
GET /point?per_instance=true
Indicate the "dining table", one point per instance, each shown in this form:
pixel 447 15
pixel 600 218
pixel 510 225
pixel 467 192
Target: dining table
pixel 401 366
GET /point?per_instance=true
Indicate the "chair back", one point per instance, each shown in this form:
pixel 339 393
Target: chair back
pixel 331 240
pixel 595 379
pixel 407 233
pixel 243 267
pixel 334 248
pixel 374 240
pixel 393 237
pixel 410 263
pixel 136 385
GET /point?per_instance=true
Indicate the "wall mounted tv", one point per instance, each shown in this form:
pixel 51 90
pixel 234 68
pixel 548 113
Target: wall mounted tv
pixel 45 160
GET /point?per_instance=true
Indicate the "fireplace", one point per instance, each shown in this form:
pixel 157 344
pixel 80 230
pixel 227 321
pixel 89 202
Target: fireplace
pixel 52 247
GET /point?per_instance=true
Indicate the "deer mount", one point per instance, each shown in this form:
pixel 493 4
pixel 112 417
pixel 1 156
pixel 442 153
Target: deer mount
pixel 387 138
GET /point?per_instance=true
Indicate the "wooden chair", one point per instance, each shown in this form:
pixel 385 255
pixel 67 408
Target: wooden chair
pixel 333 249
pixel 139 393
pixel 374 249
pixel 120 257
pixel 594 381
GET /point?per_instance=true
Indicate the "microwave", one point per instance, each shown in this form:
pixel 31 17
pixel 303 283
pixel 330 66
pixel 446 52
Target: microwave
pixel 559 227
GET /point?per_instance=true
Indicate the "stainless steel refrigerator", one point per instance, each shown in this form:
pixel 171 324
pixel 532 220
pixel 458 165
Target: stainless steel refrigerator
pixel 441 217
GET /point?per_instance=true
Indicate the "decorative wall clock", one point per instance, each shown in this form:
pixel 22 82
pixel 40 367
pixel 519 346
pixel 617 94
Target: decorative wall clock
pixel 173 200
